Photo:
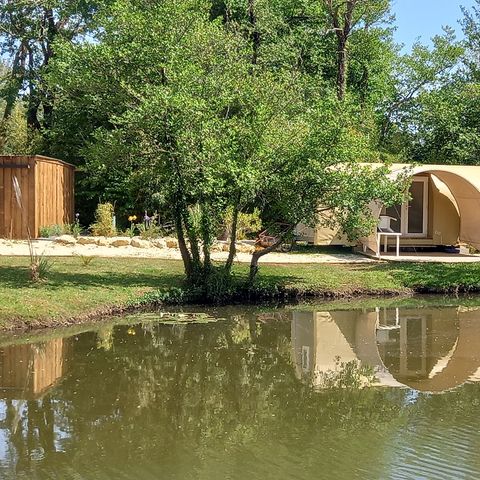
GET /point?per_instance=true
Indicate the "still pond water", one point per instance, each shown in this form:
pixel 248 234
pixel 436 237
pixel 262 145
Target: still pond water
pixel 290 393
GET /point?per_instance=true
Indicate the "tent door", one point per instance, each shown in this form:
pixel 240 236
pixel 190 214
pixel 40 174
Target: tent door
pixel 416 210
pixel 412 216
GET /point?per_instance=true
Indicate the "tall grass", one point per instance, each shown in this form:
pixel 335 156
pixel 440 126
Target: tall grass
pixel 39 264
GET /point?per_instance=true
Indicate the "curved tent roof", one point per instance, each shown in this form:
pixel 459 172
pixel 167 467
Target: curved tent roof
pixel 463 181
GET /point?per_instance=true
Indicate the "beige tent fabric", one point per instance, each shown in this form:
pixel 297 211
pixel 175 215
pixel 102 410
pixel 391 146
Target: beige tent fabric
pixel 464 184
pixel 457 190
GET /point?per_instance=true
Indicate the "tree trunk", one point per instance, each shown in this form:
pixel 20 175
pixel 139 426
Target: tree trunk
pixel 342 26
pixel 341 67
pixel 255 34
pixel 33 99
pixel 260 253
pixel 233 240
pixel 15 81
pixel 207 241
pixel 182 245
pixel 47 110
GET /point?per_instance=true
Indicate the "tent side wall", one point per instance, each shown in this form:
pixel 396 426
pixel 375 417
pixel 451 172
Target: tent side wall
pixel 54 186
pixel 16 222
pixel 443 222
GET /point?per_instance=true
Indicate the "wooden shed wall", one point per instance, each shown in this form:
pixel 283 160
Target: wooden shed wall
pixel 15 221
pixel 47 188
pixel 27 371
pixel 54 185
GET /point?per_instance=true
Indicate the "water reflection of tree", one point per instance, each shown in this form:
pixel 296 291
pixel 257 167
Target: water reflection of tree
pixel 169 394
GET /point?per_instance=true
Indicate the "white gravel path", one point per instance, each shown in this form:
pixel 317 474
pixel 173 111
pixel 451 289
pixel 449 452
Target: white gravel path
pixel 50 248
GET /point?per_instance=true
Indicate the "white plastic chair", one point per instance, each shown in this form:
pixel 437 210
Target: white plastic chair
pixel 384 228
pixel 384 223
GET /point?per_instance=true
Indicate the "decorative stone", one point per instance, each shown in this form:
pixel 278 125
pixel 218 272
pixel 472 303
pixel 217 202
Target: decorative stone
pixel 171 242
pixel 159 243
pixel 66 240
pixel 87 241
pixel 217 247
pixel 102 241
pixel 245 248
pixel 140 243
pixel 120 241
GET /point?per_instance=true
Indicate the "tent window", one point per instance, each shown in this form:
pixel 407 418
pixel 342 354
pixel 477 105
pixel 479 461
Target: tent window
pixel 412 216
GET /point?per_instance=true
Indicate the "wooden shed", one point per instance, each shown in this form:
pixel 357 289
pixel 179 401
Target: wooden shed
pixel 29 371
pixel 47 188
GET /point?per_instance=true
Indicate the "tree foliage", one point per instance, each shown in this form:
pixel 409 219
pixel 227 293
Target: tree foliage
pixel 194 108
pixel 194 115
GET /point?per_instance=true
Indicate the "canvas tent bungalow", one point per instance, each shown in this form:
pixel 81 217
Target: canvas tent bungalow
pixel 429 350
pixel 443 209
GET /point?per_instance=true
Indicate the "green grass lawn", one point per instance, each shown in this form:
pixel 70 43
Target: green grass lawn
pixel 73 290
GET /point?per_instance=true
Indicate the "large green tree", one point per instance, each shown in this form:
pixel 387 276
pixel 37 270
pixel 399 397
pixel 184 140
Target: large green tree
pixel 28 32
pixel 194 116
pixel 418 76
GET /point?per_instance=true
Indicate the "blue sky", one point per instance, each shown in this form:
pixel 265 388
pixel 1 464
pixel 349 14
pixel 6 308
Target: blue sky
pixel 424 18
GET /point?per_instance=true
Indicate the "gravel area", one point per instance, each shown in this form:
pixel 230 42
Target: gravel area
pixel 51 248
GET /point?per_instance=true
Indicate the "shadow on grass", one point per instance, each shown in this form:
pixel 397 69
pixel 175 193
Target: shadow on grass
pixel 320 249
pixel 18 277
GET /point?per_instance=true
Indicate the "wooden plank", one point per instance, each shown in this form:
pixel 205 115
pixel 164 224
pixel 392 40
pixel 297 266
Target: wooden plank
pixel 13 165
pixel 7 182
pixel 3 231
pixel 54 205
pixel 43 221
pixel 23 217
pixel 32 212
pixel 38 194
pixel 50 184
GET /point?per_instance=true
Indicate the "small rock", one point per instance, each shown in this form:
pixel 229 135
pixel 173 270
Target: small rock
pixel 102 241
pixel 120 241
pixel 245 248
pixel 140 243
pixel 216 247
pixel 66 240
pixel 87 241
pixel 159 243
pixel 171 242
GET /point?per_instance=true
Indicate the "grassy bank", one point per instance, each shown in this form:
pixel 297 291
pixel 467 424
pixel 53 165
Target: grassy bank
pixel 74 292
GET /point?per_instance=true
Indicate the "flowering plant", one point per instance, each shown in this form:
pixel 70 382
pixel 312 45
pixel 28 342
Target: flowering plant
pixel 131 230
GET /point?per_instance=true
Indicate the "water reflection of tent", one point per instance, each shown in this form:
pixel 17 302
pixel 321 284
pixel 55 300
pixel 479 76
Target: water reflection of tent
pixel 28 371
pixel 426 349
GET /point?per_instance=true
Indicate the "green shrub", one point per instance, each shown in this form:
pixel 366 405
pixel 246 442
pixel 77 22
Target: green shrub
pixel 149 228
pixel 103 225
pixel 75 228
pixel 150 231
pixel 86 259
pixel 48 231
pixel 248 223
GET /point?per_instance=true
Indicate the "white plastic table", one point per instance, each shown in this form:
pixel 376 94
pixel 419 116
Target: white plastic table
pixel 386 235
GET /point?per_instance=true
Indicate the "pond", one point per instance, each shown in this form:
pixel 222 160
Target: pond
pixel 304 392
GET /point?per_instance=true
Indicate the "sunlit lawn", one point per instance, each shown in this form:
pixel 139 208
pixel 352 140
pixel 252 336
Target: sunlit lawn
pixel 73 289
